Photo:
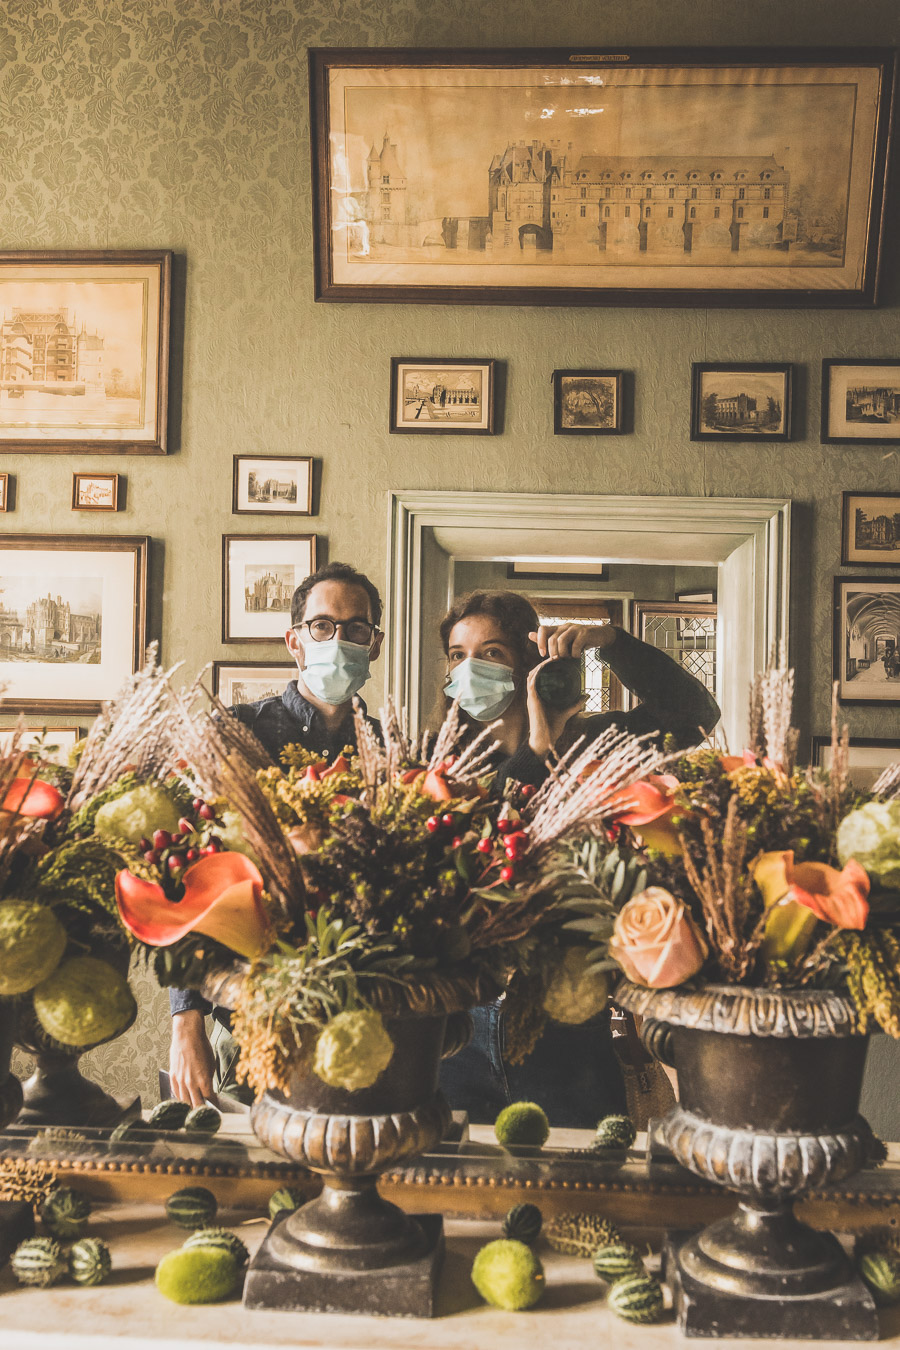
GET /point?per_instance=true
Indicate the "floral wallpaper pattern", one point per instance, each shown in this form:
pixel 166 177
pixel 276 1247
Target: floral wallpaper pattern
pixel 184 124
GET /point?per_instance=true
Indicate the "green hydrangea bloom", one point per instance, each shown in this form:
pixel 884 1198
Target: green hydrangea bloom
pixel 352 1050
pixel 871 835
pixel 136 814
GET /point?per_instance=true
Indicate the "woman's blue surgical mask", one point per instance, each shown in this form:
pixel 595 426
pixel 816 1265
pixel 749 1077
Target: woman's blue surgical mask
pixel 334 670
pixel 485 689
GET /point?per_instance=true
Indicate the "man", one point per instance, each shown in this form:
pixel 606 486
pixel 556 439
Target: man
pixel 333 637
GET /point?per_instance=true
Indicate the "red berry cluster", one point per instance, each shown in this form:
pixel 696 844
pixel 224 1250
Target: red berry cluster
pixel 507 840
pixel 175 851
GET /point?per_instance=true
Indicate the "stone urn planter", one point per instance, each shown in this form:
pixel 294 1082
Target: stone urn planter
pixel 769 1086
pixel 349 1250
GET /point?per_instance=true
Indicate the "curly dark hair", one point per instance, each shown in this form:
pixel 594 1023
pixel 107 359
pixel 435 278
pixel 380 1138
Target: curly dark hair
pixel 515 616
pixel 335 571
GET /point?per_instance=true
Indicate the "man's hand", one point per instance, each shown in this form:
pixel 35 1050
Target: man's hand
pixel 191 1060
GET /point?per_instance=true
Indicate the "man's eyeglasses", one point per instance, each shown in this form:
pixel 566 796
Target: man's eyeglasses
pixel 354 630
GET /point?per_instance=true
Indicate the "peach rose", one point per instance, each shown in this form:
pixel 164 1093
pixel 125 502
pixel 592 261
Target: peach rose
pixel 655 940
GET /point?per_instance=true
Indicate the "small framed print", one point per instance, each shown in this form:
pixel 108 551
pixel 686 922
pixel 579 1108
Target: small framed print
pixel 870 529
pixel 861 401
pixel 272 485
pixel 260 574
pixel 250 681
pixel 442 396
pixel 867 640
pixel 95 492
pixel 731 401
pixel 55 743
pixel 542 569
pixel 4 492
pixel 869 757
pixel 588 402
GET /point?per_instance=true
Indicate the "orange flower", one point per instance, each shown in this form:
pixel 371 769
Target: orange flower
pixel 789 926
pixel 222 899
pixel 838 898
pixel 648 807
pixel 33 797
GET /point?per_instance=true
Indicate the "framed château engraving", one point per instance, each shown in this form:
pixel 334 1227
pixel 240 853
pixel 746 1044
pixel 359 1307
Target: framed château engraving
pixel 644 176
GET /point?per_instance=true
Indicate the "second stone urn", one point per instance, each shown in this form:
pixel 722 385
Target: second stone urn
pixel 769 1085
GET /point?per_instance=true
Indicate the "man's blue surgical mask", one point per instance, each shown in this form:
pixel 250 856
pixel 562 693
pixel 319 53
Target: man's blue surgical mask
pixel 334 670
pixel 485 689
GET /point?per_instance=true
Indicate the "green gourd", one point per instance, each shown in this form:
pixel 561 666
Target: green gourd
pixel 218 1237
pixel 880 1270
pixel 169 1115
pixel 615 1132
pixel 197 1275
pixel 617 1259
pixel 38 1261
pixel 637 1298
pixel 89 1261
pixel 65 1213
pixel 193 1207
pixel 286 1198
pixel 523 1224
pixel 203 1119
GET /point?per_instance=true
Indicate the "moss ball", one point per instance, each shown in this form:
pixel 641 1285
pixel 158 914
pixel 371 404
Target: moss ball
pixel 507 1274
pixel 353 1050
pixel 197 1275
pixel 32 941
pixel 522 1123
pixel 83 1002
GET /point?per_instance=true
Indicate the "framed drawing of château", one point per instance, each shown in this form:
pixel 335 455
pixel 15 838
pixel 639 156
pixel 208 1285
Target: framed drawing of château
pixel 751 177
pixel 84 351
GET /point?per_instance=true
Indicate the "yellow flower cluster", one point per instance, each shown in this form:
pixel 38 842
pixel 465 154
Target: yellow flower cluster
pixel 872 958
pixel 758 787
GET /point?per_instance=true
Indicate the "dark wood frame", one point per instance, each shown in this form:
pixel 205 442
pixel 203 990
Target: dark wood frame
pixel 76 481
pixel 818 743
pixel 252 511
pixel 837 637
pixel 428 428
pixel 100 258
pixel 4 491
pixel 846 560
pixel 602 575
pixel 825 435
pixel 139 546
pixel 228 539
pixel 322 60
pixel 701 368
pixel 618 378
pixel 219 666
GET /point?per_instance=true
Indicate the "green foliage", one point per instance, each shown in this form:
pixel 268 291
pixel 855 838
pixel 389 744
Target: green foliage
pixel 82 823
pixel 81 875
pixel 595 882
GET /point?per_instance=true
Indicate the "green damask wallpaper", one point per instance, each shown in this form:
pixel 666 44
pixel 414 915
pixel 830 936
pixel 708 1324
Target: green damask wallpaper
pixel 183 124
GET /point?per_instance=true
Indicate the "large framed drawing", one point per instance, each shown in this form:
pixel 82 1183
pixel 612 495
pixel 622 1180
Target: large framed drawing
pixel 644 176
pixel 84 351
pixel 73 619
pixel 866 652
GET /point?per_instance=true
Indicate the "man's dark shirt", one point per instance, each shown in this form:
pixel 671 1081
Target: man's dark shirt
pixel 276 723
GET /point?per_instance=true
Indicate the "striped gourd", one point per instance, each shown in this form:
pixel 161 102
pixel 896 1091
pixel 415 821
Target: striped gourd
pixel 881 1272
pixel 205 1119
pixel 169 1115
pixel 617 1259
pixel 193 1207
pixel 523 1223
pixel 615 1132
pixel 38 1261
pixel 580 1234
pixel 219 1237
pixel 286 1198
pixel 637 1298
pixel 89 1261
pixel 65 1213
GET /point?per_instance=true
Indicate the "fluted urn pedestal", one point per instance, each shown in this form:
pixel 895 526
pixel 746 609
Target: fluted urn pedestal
pixel 769 1086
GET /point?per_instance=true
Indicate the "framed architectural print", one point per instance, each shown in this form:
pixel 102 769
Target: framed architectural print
pixel 73 617
pixel 861 401
pixel 95 492
pixel 249 681
pixel 272 485
pixel 869 757
pixel 54 743
pixel 870 529
pixel 442 396
pixel 867 640
pixel 260 574
pixel 84 351
pixel 588 402
pixel 740 402
pixel 636 177
pixel 4 491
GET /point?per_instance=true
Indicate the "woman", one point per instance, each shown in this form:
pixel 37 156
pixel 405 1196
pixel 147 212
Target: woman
pixel 495 647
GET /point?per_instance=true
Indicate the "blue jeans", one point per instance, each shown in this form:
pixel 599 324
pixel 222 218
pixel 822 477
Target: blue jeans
pixel 572 1072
